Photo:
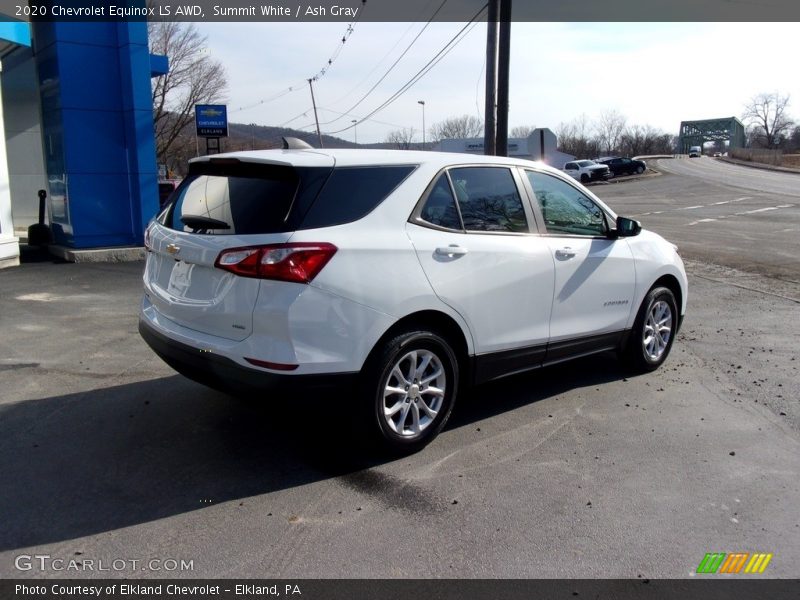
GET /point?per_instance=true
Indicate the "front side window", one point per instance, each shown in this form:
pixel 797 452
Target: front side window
pixel 489 199
pixel 564 208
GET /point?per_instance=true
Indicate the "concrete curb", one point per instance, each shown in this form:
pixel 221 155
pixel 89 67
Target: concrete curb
pixel 762 166
pixel 98 255
pixel 626 178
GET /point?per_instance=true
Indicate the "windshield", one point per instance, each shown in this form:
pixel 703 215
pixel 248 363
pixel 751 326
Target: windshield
pixel 585 163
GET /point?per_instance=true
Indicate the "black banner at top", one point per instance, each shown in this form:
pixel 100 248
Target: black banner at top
pixel 305 11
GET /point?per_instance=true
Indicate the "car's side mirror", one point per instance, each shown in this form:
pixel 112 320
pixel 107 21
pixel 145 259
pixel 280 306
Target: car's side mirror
pixel 627 227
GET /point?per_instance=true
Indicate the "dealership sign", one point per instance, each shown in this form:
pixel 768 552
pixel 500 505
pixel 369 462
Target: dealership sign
pixel 211 120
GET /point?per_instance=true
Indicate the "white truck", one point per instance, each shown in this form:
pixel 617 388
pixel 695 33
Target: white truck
pixel 695 152
pixel 587 170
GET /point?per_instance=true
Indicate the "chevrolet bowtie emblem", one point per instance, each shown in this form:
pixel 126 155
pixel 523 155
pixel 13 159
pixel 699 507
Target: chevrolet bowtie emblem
pixel 173 249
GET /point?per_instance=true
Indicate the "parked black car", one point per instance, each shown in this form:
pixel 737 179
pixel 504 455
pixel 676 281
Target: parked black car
pixel 623 166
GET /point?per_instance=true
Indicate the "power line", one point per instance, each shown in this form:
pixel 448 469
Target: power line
pixel 350 28
pixel 422 72
pixel 346 115
pixel 375 68
pixel 394 64
pixel 321 73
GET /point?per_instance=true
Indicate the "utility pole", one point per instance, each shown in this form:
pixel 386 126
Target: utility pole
pixel 355 131
pixel 503 68
pixel 490 125
pixel 316 118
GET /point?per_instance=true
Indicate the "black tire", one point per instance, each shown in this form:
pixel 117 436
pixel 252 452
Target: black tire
pixel 645 352
pixel 639 170
pixel 379 374
pixel 584 178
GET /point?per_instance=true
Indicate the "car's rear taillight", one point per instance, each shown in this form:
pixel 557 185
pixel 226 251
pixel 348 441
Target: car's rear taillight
pixel 298 262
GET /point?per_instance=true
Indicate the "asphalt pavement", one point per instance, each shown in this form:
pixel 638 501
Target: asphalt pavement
pixel 719 213
pixel 582 470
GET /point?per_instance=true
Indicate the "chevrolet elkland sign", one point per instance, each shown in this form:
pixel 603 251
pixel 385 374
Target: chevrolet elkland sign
pixel 211 120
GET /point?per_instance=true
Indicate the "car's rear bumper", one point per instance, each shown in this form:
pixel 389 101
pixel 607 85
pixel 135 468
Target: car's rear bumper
pixel 224 374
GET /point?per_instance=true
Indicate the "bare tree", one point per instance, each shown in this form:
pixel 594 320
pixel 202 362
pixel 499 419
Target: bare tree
pixel 575 138
pixel 193 78
pixel 794 140
pixel 522 131
pixel 401 138
pixel 644 139
pixel 610 127
pixel 766 114
pixel 466 126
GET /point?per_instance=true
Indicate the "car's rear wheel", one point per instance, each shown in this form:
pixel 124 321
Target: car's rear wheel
pixel 411 385
pixel 653 331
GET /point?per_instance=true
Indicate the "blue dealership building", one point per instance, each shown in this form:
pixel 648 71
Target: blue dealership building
pixel 76 120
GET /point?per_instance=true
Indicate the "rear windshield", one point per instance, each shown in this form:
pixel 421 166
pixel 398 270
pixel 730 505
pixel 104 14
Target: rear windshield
pixel 250 199
pixel 228 204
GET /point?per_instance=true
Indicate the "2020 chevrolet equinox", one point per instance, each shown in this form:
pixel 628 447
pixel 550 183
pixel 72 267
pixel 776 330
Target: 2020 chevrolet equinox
pixel 402 276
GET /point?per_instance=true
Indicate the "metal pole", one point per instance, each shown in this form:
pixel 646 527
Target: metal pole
pixel 316 118
pixel 355 131
pixel 490 125
pixel 422 102
pixel 503 67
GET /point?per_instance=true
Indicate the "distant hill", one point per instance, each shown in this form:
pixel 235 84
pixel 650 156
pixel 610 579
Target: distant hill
pixel 262 136
pixel 242 136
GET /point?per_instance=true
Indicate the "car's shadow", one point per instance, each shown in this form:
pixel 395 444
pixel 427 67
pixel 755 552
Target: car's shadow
pixel 90 462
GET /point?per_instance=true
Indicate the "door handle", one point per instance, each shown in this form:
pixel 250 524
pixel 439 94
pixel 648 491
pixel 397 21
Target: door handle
pixel 565 252
pixel 451 250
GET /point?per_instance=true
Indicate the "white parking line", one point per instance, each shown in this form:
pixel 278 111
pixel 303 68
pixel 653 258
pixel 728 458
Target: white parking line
pixel 729 201
pixel 746 212
pixel 758 210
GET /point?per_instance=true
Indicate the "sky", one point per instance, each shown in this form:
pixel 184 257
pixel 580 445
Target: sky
pixel 653 73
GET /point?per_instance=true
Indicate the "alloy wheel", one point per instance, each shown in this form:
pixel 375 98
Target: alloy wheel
pixel 657 330
pixel 414 392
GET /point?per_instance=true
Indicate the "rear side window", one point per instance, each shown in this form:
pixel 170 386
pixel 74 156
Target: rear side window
pixel 440 207
pixel 352 193
pixel 228 205
pixel 489 199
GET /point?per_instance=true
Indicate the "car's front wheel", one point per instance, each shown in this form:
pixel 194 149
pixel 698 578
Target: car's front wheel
pixel 639 169
pixel 411 385
pixel 653 331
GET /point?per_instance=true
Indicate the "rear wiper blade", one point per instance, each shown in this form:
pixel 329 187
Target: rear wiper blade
pixel 199 222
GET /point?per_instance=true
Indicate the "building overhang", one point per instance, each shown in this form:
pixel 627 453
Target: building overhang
pixel 14 33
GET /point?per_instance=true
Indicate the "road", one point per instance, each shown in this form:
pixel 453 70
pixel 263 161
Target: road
pixel 717 212
pixel 578 471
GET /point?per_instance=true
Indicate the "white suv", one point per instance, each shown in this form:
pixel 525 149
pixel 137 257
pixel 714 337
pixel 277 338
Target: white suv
pixel 403 275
